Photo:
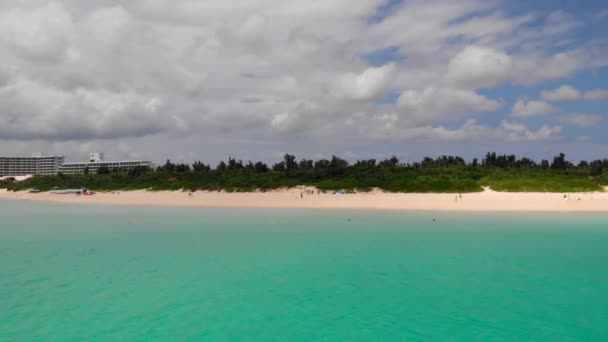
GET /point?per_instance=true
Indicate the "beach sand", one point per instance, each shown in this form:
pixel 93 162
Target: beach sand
pixel 376 200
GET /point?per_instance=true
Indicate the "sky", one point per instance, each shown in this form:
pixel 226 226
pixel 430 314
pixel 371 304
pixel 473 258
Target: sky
pixel 191 80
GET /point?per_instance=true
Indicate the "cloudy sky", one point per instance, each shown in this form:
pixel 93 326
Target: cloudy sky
pixel 192 79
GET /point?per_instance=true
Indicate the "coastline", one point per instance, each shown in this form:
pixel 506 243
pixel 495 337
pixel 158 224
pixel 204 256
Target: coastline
pixel 296 198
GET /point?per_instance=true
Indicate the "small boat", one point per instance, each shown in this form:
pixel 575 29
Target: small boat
pixel 34 191
pixel 56 191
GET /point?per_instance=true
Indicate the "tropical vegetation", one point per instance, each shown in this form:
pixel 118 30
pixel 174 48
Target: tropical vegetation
pixel 445 174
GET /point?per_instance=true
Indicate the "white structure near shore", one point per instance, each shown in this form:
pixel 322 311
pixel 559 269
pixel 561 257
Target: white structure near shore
pixel 38 164
pixel 41 165
pixel 92 167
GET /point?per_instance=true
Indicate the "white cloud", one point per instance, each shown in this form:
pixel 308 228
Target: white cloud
pixel 108 27
pixel 6 75
pixel 559 22
pixel 523 108
pixel 34 111
pixel 368 85
pixel 41 33
pixel 596 95
pixel 518 132
pixel 578 119
pixel 478 67
pixel 391 130
pixel 200 72
pixel 569 93
pixel 432 104
pixel 563 93
pixel 534 68
pixel 294 120
pixel 469 131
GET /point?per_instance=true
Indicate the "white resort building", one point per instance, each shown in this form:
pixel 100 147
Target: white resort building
pixel 40 165
pixel 96 161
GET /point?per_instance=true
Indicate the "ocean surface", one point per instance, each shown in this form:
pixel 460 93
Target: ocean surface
pixel 86 273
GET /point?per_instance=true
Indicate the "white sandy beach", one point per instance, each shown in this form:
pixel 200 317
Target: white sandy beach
pixel 376 200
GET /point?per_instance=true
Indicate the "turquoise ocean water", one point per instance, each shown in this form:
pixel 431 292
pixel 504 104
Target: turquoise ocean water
pixel 75 273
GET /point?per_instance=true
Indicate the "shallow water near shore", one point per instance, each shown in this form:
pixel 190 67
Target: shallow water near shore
pixel 72 273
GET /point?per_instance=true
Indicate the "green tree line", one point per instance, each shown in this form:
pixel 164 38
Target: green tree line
pixel 445 174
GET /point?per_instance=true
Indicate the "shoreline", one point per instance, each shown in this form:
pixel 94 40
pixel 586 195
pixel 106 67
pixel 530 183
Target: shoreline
pixel 298 198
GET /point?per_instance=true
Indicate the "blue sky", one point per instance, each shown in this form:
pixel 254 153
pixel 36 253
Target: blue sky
pixel 591 29
pixel 192 80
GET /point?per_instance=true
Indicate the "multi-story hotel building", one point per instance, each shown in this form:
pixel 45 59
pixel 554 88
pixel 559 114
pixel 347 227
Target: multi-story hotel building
pixel 40 165
pixel 96 161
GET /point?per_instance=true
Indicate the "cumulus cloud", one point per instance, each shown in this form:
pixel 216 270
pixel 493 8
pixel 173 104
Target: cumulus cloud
pixel 471 131
pixel 6 75
pixel 518 132
pixel 261 70
pixel 523 108
pixel 534 68
pixel 108 28
pixel 577 119
pixel 569 93
pixel 596 95
pixel 563 93
pixel 41 33
pixel 391 129
pixel 432 104
pixel 478 67
pixel 297 119
pixel 31 110
pixel 368 85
